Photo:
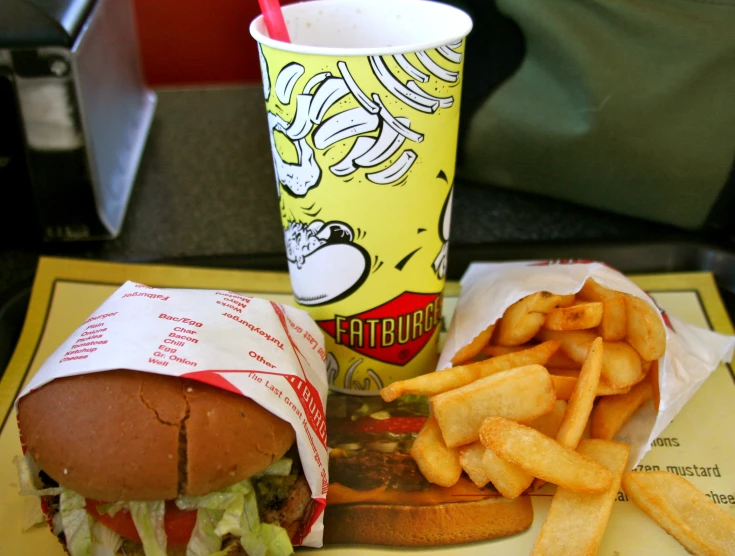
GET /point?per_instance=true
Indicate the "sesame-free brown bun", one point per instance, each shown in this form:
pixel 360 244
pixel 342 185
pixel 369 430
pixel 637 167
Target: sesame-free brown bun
pixel 427 525
pixel 127 435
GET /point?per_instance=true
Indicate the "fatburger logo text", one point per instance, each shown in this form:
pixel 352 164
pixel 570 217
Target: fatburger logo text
pixel 394 332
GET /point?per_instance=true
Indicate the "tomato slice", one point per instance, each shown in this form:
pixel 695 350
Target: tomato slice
pixel 397 425
pixel 177 523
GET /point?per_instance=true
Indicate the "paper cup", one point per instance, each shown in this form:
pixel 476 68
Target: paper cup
pixel 363 111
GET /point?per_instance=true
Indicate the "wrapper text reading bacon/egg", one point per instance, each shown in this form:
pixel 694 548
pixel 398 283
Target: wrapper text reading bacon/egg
pixel 692 353
pixel 269 352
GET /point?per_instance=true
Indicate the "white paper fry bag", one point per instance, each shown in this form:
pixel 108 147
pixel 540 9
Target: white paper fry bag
pixel 271 353
pixel 691 355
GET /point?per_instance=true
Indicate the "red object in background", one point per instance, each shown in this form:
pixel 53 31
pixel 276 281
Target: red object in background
pixel 190 42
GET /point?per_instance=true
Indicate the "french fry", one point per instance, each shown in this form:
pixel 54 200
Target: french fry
pixel 556 359
pixel 580 316
pixel 645 330
pixel 574 343
pixel 437 382
pixel 604 389
pixel 612 412
pixel 474 347
pixel 495 351
pixel 510 480
pixel 521 394
pixel 522 320
pixel 566 300
pixel 655 388
pixel 583 396
pixel 576 521
pixel 613 325
pixel 621 364
pixel 433 383
pixel 543 457
pixel 561 360
pixel 565 385
pixel 483 466
pixel 548 423
pixel 572 373
pixel 536 355
pixel 687 514
pixel 439 464
pixel 470 459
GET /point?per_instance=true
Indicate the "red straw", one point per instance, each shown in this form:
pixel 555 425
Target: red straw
pixel 274 21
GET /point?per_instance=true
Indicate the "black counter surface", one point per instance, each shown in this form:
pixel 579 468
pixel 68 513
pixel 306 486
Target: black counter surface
pixel 206 194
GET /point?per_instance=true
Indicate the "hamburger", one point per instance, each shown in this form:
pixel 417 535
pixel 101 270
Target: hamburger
pixel 134 463
pixel 377 494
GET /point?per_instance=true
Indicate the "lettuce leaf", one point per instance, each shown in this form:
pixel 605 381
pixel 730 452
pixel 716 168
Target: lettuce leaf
pixel 280 468
pixel 279 544
pixel 236 511
pixel 105 542
pixel 204 541
pixel 76 522
pixel 148 519
pixel 267 540
pixel 110 508
pixel 26 480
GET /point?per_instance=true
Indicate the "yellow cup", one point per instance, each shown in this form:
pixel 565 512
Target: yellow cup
pixel 363 110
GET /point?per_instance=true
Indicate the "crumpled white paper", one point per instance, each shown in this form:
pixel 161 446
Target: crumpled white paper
pixel 692 353
pixel 271 353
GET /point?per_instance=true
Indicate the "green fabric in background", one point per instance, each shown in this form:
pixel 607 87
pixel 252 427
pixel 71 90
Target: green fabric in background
pixel 623 105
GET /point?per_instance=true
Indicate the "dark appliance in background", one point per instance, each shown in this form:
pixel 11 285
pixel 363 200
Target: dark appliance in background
pixel 74 117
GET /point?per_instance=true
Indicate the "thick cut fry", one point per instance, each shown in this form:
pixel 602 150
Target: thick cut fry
pixel 612 412
pixel 494 351
pixel 548 423
pixel 563 361
pixel 522 320
pixel 564 387
pixel 470 458
pixel 439 464
pixel 521 394
pixel 645 330
pixel 576 521
pixel 474 347
pixel 510 480
pixel 583 396
pixel 687 514
pixel 567 299
pixel 621 364
pixel 538 354
pixel 543 457
pixel 483 466
pixel 613 325
pixel 604 389
pixel 574 343
pixel 655 389
pixel 581 316
pixel 437 382
pixel 572 373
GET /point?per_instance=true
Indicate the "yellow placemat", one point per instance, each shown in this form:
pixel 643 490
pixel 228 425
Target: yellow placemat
pixel 698 444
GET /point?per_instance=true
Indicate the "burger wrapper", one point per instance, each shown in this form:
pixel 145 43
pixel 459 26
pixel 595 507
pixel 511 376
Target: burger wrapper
pixel 271 353
pixel 692 353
